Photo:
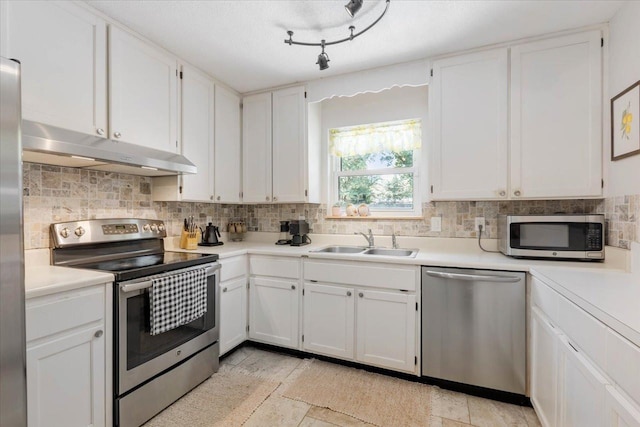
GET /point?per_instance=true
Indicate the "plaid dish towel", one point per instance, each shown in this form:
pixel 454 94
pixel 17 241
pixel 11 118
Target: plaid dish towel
pixel 177 299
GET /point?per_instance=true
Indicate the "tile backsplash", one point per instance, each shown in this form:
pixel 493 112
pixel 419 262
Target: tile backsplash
pixel 55 194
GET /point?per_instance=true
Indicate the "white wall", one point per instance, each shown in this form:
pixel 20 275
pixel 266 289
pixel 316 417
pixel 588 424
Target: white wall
pixel 397 103
pixel 624 70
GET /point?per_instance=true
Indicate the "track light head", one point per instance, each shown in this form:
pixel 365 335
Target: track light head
pixel 353 7
pixel 323 61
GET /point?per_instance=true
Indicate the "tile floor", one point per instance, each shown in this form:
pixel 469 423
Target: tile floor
pixel 449 409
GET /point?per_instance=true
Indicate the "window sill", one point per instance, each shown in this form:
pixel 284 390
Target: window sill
pixel 376 218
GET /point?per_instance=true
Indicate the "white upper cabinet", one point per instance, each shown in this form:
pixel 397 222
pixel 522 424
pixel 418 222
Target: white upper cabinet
pixel 228 148
pixel 552 145
pixel 197 133
pixel 142 93
pixel 468 106
pixel 62 49
pixel 289 147
pixel 256 146
pixel 276 163
pixel 556 117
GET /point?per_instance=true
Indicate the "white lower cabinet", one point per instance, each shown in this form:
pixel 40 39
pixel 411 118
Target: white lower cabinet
pixel 386 329
pixel 329 319
pixel 619 412
pixel 233 313
pixel 69 358
pixel 544 368
pixel 273 311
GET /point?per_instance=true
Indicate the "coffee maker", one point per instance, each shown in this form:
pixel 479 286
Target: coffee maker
pixel 284 234
pixel 299 230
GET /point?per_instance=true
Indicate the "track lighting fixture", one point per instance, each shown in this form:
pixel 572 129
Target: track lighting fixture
pixel 352 8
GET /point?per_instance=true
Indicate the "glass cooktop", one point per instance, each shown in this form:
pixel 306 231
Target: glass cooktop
pixel 146 265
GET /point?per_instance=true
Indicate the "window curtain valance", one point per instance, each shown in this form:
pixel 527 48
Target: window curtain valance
pixel 366 139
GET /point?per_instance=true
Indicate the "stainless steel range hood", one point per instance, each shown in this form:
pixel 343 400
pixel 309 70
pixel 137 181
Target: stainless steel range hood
pixel 52 145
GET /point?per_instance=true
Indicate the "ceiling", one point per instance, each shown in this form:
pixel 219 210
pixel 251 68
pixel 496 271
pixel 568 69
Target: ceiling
pixel 241 42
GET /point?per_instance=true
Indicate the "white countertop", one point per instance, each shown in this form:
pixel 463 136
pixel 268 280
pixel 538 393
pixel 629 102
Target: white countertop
pixel 43 280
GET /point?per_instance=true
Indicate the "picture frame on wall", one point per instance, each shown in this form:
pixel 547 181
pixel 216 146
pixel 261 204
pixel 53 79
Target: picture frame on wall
pixel 625 123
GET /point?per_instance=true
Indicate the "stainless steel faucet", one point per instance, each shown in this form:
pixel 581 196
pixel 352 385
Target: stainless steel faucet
pixel 369 237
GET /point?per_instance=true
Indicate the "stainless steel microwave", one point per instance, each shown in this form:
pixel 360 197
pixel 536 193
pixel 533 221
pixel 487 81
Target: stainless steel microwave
pixel 558 236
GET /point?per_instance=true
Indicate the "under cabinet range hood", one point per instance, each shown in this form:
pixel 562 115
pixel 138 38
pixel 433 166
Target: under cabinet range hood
pixel 56 146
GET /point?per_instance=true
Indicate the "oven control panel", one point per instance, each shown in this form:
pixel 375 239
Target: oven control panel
pixel 106 230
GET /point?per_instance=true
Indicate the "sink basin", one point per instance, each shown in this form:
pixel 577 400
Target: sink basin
pixel 341 250
pixel 391 252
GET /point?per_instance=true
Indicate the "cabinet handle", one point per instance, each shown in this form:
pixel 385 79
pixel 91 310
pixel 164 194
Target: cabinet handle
pixel 218 198
pixel 503 193
pixel 275 199
pixel 100 131
pixel 224 289
pixel 516 193
pixel 117 134
pixel 360 294
pixel 98 333
pixel 210 197
pixel 293 286
pixel 348 293
pixel 267 198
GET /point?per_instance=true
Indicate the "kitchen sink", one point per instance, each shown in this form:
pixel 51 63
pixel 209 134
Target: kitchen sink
pixel 341 250
pixel 391 252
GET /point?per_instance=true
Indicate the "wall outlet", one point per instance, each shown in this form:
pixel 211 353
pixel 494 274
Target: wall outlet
pixel 209 219
pixel 480 222
pixel 436 223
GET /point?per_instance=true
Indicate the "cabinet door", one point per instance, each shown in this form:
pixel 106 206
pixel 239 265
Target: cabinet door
pixel 386 329
pixel 581 390
pixel 556 117
pixel 63 51
pixel 544 368
pixel 233 313
pixel 328 320
pixel 197 134
pixel 142 93
pixel 66 380
pixel 289 145
pixel 468 118
pixel 256 148
pixel 273 311
pixel 228 153
pixel 619 411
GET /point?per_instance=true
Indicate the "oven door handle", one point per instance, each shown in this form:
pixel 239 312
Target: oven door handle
pixel 148 283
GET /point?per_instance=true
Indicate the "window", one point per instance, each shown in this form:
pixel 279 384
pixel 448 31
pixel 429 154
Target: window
pixel 378 165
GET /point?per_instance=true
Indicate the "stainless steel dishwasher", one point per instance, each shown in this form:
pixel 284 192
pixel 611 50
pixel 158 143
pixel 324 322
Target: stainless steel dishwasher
pixel 474 327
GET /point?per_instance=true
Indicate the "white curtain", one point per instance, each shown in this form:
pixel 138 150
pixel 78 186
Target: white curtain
pixel 365 139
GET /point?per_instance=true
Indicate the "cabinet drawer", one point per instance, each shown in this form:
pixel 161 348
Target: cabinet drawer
pixel 57 313
pixel 233 267
pixel 623 363
pixel 274 266
pixel 582 329
pixel 545 298
pixel 388 276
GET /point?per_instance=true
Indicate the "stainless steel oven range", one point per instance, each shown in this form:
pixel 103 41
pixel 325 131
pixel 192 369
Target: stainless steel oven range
pixel 150 371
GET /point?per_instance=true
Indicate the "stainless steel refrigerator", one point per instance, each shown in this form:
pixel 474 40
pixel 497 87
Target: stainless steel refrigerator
pixel 13 372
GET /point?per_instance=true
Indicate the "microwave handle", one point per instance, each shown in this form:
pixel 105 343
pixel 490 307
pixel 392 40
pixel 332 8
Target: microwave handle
pixel 148 283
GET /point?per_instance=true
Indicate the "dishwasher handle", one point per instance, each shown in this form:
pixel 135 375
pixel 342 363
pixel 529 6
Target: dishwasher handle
pixel 470 277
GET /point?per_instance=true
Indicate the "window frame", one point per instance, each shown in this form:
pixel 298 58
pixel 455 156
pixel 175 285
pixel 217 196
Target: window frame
pixel 336 173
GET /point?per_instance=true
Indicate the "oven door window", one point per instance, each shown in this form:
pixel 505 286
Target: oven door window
pixel 572 236
pixel 143 347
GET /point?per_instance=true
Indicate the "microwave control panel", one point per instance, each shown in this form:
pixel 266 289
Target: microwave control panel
pixel 594 238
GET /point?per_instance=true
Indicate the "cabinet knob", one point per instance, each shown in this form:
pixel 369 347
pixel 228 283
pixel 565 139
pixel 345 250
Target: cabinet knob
pixel 100 131
pixel 267 198
pixel 117 134
pixel 224 289
pixel 360 294
pixel 210 197
pixel 218 198
pixel 516 193
pixel 98 333
pixel 503 193
pixel 293 286
pixel 348 293
pixel 275 199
